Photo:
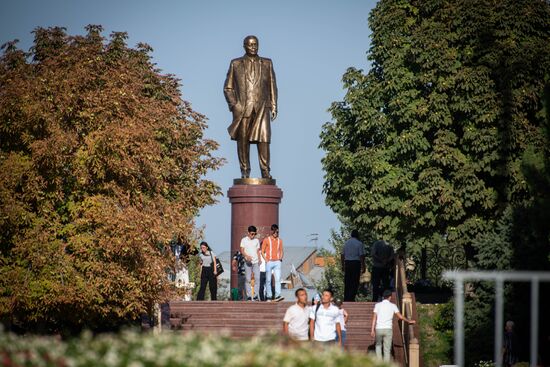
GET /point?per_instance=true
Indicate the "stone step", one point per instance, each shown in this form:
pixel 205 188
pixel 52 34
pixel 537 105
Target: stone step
pixel 232 314
pixel 194 319
pixel 358 342
pixel 258 324
pixel 256 304
pixel 243 320
pixel 249 331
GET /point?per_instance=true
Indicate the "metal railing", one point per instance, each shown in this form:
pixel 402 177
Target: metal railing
pixel 499 277
pixel 405 301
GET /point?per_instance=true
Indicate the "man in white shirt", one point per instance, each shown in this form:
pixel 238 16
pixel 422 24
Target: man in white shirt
pixel 324 323
pixel 296 320
pixel 250 248
pixel 383 323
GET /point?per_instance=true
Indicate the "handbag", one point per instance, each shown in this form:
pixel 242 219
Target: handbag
pixel 219 267
pixel 365 277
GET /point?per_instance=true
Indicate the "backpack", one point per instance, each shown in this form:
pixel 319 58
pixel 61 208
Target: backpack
pixel 315 320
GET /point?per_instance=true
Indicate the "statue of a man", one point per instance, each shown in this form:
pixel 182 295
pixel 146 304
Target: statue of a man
pixel 251 93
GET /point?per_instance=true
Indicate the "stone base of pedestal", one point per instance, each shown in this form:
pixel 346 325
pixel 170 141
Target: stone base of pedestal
pixel 253 202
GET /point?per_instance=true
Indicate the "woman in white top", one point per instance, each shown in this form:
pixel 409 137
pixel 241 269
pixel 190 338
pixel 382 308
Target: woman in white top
pixel 208 272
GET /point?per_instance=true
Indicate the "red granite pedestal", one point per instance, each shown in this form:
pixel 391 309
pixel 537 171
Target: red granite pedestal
pixel 253 202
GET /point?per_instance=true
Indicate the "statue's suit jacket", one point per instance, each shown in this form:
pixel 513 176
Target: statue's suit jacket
pixel 265 91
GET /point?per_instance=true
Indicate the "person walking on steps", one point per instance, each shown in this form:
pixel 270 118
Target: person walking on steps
pixel 272 250
pixel 250 248
pixel 382 325
pixel 208 272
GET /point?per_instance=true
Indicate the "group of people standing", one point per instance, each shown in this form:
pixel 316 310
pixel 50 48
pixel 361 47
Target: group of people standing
pixel 324 322
pixel 383 261
pixel 353 265
pixel 252 260
pixel 264 262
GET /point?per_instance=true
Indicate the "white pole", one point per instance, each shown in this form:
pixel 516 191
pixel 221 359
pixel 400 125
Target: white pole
pixel 459 323
pixel 499 315
pixel 534 321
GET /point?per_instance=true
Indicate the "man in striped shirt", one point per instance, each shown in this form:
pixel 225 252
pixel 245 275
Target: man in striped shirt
pixel 272 251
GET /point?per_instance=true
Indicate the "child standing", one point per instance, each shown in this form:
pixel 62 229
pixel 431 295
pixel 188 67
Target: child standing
pixel 343 320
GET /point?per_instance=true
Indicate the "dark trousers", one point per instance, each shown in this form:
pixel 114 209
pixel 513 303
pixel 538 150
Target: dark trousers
pixel 207 276
pixel 352 274
pixel 379 275
pixel 241 281
pixel 262 285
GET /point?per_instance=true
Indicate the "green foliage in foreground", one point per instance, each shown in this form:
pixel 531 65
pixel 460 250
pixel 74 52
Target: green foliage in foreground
pixel 142 350
pixel 436 333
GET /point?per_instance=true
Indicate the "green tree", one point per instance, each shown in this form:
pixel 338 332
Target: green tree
pixel 101 165
pixel 445 140
pixel 333 276
pixel 518 239
pixel 428 145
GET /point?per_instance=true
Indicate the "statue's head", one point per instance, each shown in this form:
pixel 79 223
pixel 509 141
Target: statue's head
pixel 251 45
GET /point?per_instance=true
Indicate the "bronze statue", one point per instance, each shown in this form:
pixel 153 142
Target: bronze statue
pixel 251 93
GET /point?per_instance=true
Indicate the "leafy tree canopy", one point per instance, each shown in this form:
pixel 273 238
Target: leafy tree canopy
pixel 101 165
pixel 440 136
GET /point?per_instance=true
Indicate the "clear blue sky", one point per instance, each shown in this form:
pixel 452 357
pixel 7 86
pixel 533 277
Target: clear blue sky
pixel 311 43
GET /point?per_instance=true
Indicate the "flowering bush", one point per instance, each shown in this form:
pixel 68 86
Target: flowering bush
pixel 485 364
pixel 131 349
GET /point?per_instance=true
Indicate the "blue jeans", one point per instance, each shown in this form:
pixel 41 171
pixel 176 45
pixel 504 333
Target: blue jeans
pixel 274 266
pixel 343 338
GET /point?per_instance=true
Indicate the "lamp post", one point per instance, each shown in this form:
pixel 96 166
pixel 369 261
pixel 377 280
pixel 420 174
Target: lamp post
pixel 313 237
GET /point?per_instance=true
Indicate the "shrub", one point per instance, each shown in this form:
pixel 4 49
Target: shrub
pixel 169 350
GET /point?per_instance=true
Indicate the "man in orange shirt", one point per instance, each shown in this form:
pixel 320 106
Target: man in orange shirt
pixel 272 251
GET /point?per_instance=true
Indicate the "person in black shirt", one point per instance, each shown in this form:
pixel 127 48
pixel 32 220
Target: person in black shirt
pixel 509 345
